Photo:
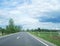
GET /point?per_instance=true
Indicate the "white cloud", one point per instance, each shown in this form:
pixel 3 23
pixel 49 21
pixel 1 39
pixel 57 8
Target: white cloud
pixel 0 22
pixel 26 14
pixel 46 25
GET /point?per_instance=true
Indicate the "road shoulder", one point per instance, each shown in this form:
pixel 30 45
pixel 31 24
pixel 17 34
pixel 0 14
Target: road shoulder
pixel 42 40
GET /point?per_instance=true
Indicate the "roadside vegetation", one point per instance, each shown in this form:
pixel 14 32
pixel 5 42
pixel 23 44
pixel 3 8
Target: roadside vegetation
pixel 52 36
pixel 10 28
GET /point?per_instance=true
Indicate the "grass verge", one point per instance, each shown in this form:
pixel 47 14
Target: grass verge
pixel 53 37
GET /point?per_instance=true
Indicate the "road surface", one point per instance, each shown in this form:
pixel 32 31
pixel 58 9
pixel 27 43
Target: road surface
pixel 20 39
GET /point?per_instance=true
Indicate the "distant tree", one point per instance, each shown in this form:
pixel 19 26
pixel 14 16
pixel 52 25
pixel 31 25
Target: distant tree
pixel 27 30
pixel 12 28
pixel 32 30
pixel 8 30
pixel 18 28
pixel 2 30
pixel 39 29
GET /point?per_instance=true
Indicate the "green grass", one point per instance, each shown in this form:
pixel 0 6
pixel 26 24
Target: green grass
pixel 0 34
pixel 3 34
pixel 52 37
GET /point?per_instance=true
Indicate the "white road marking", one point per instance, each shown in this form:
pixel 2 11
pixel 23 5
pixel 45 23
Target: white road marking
pixel 18 37
pixel 9 35
pixel 38 39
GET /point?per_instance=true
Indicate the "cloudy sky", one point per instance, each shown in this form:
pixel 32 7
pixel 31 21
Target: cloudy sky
pixel 31 13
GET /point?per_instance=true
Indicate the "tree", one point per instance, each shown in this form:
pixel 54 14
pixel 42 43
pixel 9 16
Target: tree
pixel 11 23
pixel 18 28
pixel 12 28
pixel 39 29
pixel 2 30
pixel 7 30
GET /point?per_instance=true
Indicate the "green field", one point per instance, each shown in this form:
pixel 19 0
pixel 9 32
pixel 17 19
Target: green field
pixel 53 37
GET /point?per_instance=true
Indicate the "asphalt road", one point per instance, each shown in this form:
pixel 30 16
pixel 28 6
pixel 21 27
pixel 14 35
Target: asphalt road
pixel 20 39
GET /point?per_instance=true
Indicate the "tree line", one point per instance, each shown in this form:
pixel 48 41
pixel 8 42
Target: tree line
pixel 41 30
pixel 10 28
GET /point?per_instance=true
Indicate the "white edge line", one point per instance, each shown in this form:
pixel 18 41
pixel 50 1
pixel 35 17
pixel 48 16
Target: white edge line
pixel 8 35
pixel 18 37
pixel 37 39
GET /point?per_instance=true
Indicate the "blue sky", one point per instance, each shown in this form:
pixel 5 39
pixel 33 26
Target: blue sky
pixel 31 13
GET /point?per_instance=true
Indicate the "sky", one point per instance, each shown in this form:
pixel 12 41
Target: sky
pixel 31 14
